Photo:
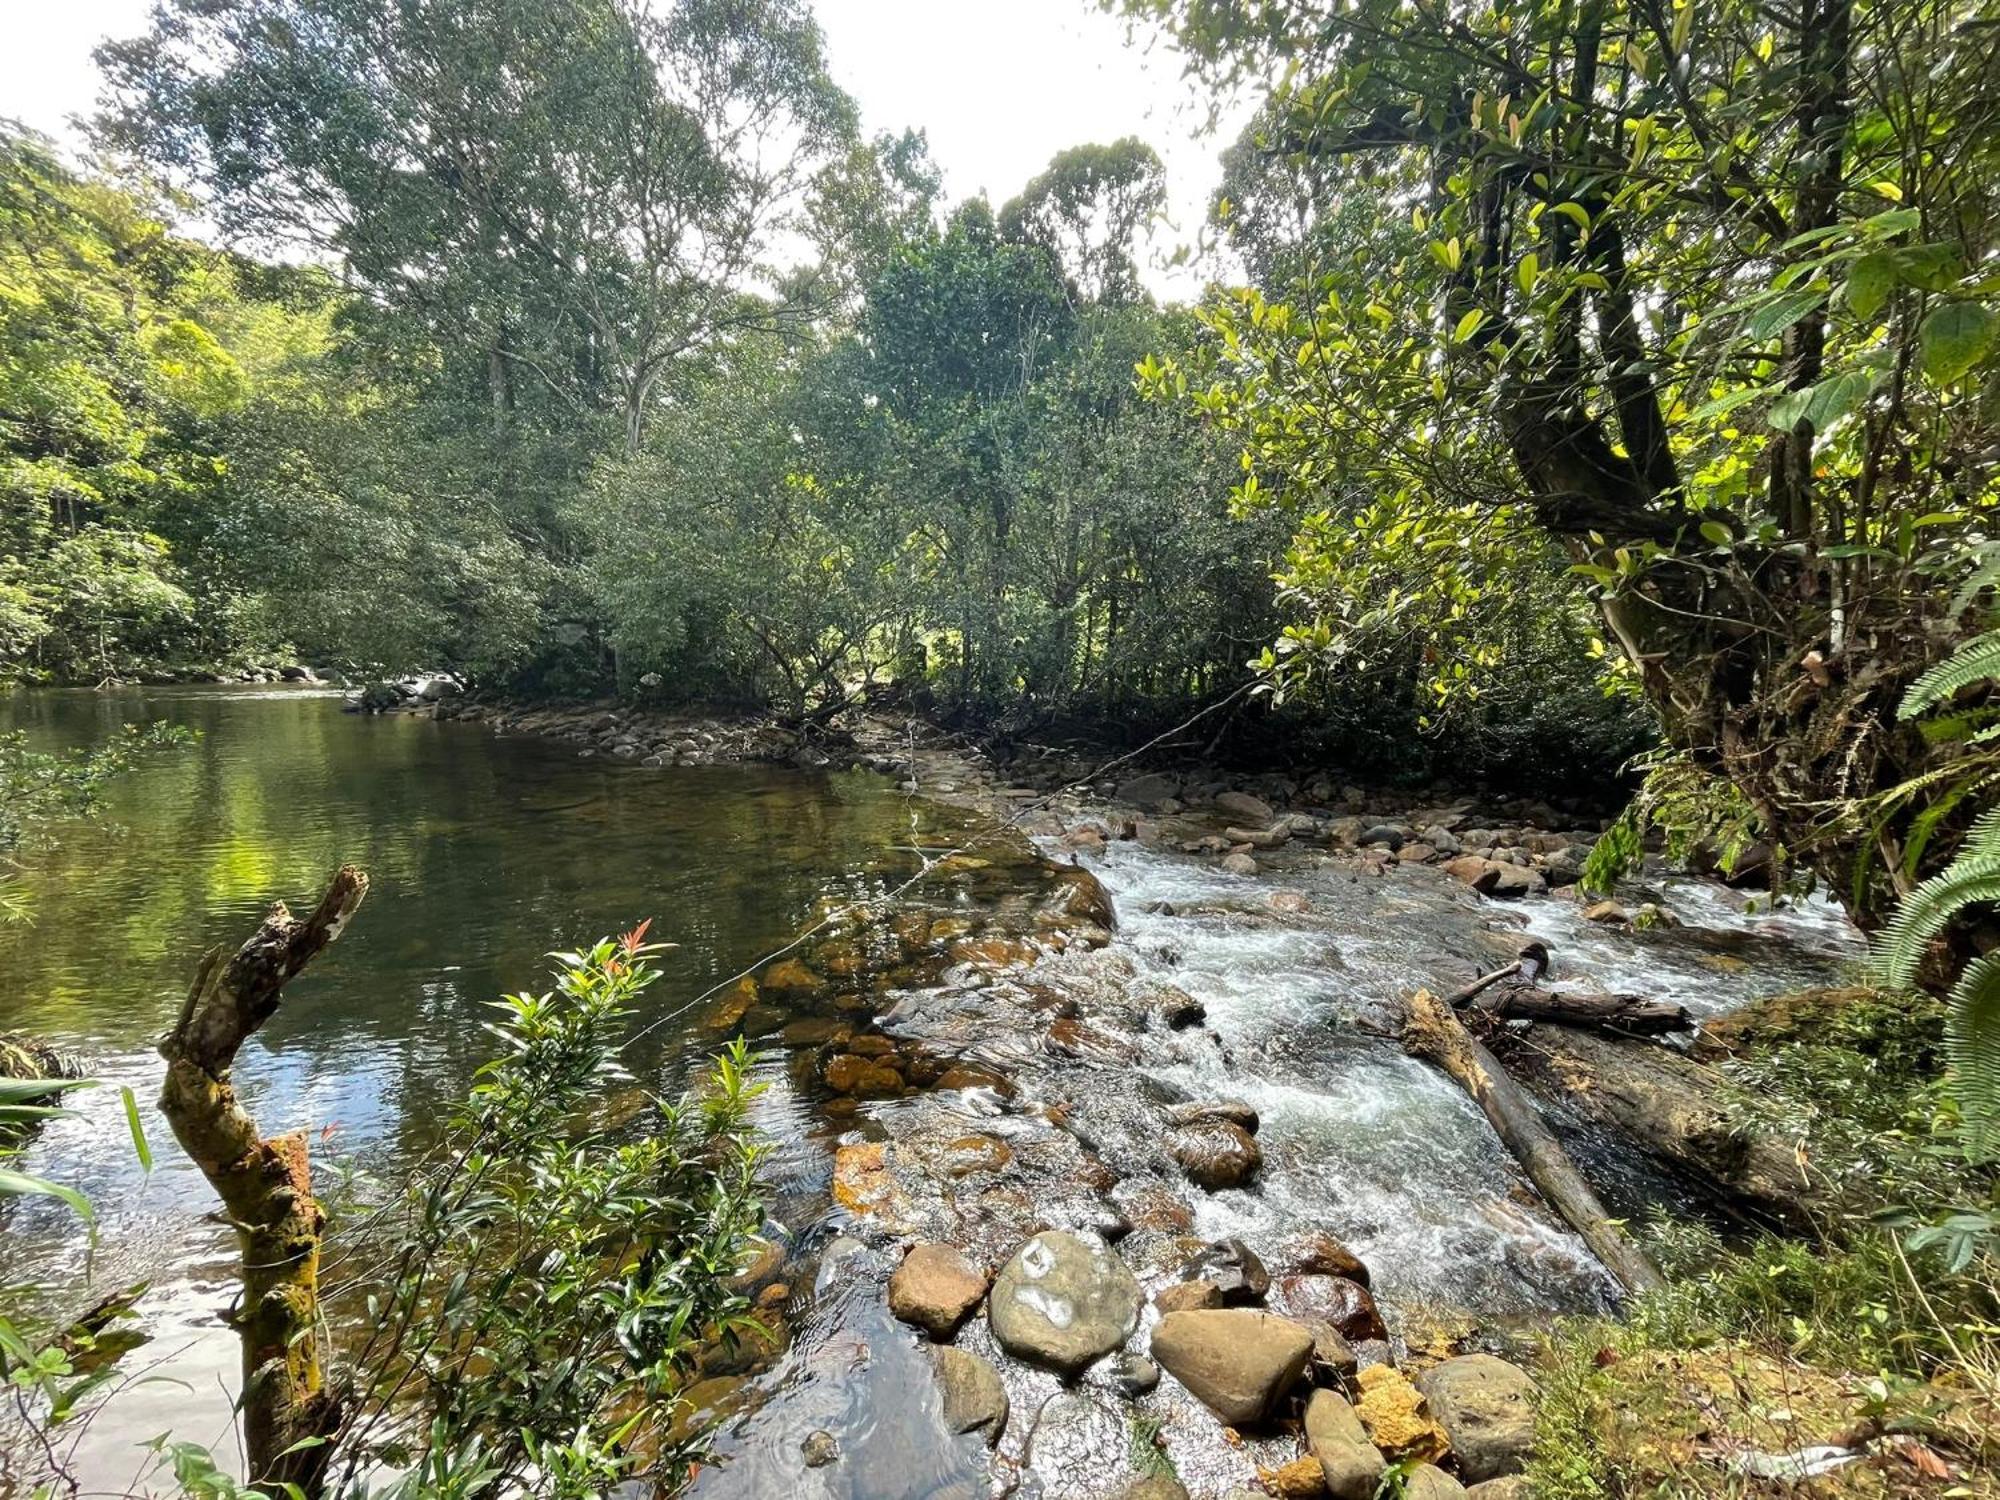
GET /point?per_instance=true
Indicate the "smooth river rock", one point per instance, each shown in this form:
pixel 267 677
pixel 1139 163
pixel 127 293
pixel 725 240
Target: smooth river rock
pixel 1063 1301
pixel 1236 1361
pixel 1352 1466
pixel 1215 1154
pixel 974 1398
pixel 934 1288
pixel 1487 1408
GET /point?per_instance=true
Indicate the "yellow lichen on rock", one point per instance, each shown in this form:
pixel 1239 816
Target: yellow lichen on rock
pixel 1396 1416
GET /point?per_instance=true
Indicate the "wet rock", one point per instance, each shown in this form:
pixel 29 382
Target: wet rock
pixel 1610 913
pixel 705 1403
pixel 1233 1268
pixel 1239 864
pixel 1243 806
pixel 861 1077
pixel 1429 1482
pixel 1346 1306
pixel 1236 1361
pixel 975 1153
pixel 1319 1252
pixel 1080 896
pixel 1334 1359
pixel 1292 903
pixel 1178 1010
pixel 973 1076
pixel 1259 838
pixel 1350 1465
pixel 1081 1449
pixel 1390 835
pixel 872 1046
pixel 864 1184
pixel 1149 791
pixel 1486 1407
pixel 1216 1154
pixel 819 1449
pixel 764 1258
pixel 1062 1301
pixel 791 976
pixel 1397 1419
pixel 1201 1111
pixel 975 1400
pixel 935 1288
pixel 1492 877
pixel 1131 1375
pixel 1188 1296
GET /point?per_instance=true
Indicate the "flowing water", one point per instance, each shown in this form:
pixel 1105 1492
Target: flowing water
pixel 486 852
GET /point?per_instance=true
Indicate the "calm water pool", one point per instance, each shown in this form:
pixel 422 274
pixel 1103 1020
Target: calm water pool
pixel 485 854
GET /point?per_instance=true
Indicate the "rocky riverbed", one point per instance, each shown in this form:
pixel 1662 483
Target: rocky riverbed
pixel 1117 1181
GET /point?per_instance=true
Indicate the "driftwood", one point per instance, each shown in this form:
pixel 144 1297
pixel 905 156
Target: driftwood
pixel 265 1184
pixel 1670 1104
pixel 1434 1031
pixel 1511 995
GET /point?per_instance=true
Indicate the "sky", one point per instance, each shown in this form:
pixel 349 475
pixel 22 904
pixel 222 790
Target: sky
pixel 998 88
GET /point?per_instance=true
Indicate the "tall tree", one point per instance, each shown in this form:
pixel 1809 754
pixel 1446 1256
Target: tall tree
pixel 583 190
pixel 1705 293
pixel 1088 210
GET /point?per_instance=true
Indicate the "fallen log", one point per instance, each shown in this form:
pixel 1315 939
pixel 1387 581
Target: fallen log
pixel 1433 1031
pixel 1671 1106
pixel 265 1185
pixel 1615 1013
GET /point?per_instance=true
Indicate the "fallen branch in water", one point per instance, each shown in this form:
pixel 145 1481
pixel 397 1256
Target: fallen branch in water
pixel 265 1185
pixel 1433 1031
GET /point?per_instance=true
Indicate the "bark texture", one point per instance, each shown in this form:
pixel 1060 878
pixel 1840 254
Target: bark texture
pixel 264 1184
pixel 1433 1031
pixel 1670 1105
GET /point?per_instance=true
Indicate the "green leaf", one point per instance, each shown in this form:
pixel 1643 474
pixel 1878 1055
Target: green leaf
pixel 1780 313
pixel 1869 283
pixel 1954 338
pixel 1717 533
pixel 1525 273
pixel 1730 402
pixel 20 1185
pixel 1468 326
pixel 138 1129
pixel 1823 404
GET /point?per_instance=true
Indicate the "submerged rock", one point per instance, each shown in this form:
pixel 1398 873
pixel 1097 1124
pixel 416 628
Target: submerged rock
pixel 1486 1407
pixel 974 1398
pixel 1081 1449
pixel 935 1288
pixel 1236 1361
pixel 1320 1252
pixel 1062 1301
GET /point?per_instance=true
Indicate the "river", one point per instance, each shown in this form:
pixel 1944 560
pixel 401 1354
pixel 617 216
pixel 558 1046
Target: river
pixel 487 851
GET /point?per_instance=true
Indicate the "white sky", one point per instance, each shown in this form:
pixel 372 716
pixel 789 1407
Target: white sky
pixel 999 89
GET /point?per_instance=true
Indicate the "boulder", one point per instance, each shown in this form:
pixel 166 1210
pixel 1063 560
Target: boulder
pixel 1215 1154
pixel 1487 1409
pixel 1063 1301
pixel 1239 864
pixel 1238 1362
pixel 1610 913
pixel 1177 1009
pixel 1429 1482
pixel 1320 1252
pixel 1188 1296
pixel 1351 1466
pixel 1382 834
pixel 1514 1487
pixel 1346 1306
pixel 974 1398
pixel 1233 1268
pixel 1398 1421
pixel 935 1288
pixel 1149 791
pixel 1246 807
pixel 1199 1111
pixel 1493 877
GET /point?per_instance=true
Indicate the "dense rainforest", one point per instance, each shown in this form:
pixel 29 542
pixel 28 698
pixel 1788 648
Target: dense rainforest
pixel 1592 400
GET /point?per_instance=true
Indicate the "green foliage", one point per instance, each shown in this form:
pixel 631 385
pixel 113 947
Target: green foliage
pixel 555 1280
pixel 1700 816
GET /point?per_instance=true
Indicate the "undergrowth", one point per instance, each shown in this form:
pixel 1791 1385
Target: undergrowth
pixel 1882 1329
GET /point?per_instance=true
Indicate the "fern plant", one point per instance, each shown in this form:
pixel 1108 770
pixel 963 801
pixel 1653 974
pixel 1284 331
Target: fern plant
pixel 1972 879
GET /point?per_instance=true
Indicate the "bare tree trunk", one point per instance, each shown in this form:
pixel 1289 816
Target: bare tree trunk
pixel 264 1184
pixel 1434 1032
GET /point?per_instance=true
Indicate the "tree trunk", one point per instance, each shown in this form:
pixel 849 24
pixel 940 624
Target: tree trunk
pixel 1669 1105
pixel 1433 1031
pixel 265 1184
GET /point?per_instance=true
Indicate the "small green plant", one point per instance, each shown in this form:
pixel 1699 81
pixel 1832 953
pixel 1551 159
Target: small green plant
pixel 1696 812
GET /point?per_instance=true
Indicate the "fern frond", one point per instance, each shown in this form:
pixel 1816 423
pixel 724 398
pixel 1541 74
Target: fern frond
pixel 1971 878
pixel 1972 1043
pixel 1986 575
pixel 1976 661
